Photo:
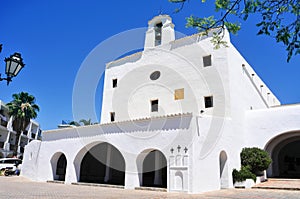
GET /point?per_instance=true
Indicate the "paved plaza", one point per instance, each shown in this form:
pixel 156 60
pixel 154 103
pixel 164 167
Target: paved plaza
pixel 19 187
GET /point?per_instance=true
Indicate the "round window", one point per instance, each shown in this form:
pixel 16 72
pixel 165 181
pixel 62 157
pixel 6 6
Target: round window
pixel 155 75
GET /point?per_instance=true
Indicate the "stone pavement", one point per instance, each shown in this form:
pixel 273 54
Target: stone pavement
pixel 19 187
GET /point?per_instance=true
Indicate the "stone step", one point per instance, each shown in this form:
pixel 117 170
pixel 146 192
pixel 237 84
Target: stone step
pixel 280 184
pixel 98 185
pixel 151 189
pixel 56 181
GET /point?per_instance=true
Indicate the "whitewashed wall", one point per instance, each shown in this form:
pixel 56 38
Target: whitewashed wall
pixel 240 117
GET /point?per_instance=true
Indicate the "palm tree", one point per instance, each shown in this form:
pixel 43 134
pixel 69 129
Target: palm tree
pixel 82 122
pixel 22 108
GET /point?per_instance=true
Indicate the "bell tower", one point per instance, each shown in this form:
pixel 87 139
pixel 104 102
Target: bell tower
pixel 160 31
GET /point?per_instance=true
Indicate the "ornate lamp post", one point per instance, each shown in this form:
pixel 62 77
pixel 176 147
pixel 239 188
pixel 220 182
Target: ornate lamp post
pixel 13 66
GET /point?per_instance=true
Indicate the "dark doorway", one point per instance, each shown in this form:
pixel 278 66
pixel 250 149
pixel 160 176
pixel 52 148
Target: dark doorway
pixel 155 170
pixel 61 168
pixel 103 164
pixel 289 160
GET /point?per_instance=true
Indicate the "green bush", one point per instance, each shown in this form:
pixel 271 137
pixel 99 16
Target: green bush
pixel 243 174
pixel 256 159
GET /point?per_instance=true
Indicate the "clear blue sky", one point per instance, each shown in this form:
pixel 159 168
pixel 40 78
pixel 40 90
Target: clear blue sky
pixel 54 37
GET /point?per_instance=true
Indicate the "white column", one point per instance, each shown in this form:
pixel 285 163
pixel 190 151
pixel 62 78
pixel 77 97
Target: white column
pixel 37 132
pixel 131 173
pixel 157 174
pixel 19 143
pixel 71 175
pixel 29 130
pixel 10 129
pixel 6 143
pixel 107 169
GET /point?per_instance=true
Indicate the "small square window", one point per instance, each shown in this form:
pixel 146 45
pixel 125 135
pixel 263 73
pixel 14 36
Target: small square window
pixel 207 61
pixel 115 83
pixel 112 116
pixel 154 106
pixel 179 94
pixel 208 101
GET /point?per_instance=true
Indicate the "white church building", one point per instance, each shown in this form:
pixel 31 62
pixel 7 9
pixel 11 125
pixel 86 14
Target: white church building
pixel 174 116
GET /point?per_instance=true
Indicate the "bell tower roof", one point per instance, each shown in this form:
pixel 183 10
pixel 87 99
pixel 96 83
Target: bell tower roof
pixel 159 18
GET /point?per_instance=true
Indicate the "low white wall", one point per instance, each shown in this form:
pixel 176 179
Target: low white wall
pixel 31 162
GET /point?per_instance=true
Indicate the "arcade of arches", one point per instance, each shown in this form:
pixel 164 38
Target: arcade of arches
pixel 104 164
pixel 285 153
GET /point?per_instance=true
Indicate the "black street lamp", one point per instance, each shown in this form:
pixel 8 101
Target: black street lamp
pixel 13 66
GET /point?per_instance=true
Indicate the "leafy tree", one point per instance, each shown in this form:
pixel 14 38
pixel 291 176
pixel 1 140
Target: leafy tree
pixel 280 19
pixel 256 159
pixel 22 108
pixel 253 160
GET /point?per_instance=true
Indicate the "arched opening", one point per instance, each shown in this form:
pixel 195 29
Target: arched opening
pixel 59 166
pixel 178 181
pixel 285 153
pixel 154 170
pixel 158 33
pixel 224 184
pixel 103 164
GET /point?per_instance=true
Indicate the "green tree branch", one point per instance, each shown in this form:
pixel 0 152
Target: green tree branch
pixel 280 19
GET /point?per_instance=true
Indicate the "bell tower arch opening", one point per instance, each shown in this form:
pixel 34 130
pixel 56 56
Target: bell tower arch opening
pixel 158 35
pixel 160 31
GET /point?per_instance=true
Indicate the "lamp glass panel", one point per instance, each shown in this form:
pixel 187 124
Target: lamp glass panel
pixel 12 68
pixel 18 69
pixel 7 66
